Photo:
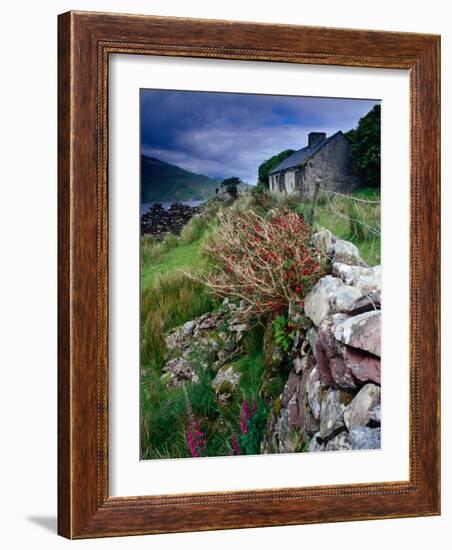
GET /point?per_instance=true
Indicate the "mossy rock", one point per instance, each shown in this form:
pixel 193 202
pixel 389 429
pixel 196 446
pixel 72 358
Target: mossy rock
pixel 226 383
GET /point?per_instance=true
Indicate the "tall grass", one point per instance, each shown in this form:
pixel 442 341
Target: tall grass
pixel 169 242
pixel 193 230
pixel 151 250
pixel 172 300
pixel 350 220
pixel 358 229
pixel 164 416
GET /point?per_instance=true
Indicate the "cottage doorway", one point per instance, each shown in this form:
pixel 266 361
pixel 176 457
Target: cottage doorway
pixel 282 183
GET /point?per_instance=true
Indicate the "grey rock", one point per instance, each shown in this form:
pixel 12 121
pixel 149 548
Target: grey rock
pixel 340 442
pixel 299 364
pixel 323 364
pixel 316 444
pixel 206 322
pixel 368 279
pixel 361 410
pixel 291 387
pixel 342 374
pixel 188 328
pixel 175 340
pixel 344 298
pixel 317 303
pixel 312 335
pixel 325 348
pixel 346 252
pixel 307 422
pixel 332 410
pixel 287 425
pixel 365 438
pixel 330 296
pixel 305 346
pixel 180 371
pixel 323 241
pixel 375 414
pixel 315 392
pixel 368 302
pixel 226 383
pixel 361 331
pixel 364 366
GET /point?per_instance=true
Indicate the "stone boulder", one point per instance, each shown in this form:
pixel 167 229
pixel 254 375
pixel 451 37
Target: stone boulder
pixel 363 366
pixel 329 296
pixel 225 383
pixel 317 303
pixel 307 421
pixel 332 410
pixel 341 442
pixel 210 341
pixel 368 279
pixel 361 331
pixel 316 444
pixel 287 427
pixel 291 388
pixel 368 302
pixel 323 241
pixel 365 438
pixel 361 410
pixel 179 370
pixel 326 345
pixel 342 374
pixel 346 252
pixel 344 298
pixel 323 364
pixel 315 391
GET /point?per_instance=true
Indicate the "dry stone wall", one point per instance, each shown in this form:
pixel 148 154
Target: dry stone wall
pixel 331 401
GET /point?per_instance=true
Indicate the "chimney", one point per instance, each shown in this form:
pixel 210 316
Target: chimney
pixel 315 137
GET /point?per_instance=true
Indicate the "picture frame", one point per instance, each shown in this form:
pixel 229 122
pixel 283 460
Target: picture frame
pixel 86 40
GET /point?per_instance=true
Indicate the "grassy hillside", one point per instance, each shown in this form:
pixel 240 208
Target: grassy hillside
pixel 168 299
pixel 161 181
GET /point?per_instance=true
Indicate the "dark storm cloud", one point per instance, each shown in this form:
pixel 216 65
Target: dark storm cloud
pixel 220 134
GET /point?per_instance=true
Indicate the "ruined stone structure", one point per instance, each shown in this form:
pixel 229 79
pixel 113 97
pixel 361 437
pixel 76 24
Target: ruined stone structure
pixel 325 160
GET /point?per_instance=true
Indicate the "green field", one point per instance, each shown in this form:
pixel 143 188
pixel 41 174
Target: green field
pixel 355 221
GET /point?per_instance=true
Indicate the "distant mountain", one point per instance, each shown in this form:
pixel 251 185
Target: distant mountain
pixel 162 181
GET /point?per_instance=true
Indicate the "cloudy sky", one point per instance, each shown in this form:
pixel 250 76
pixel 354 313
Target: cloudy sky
pixel 224 134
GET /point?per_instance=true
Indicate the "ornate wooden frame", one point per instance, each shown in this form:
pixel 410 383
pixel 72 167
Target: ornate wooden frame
pixel 85 42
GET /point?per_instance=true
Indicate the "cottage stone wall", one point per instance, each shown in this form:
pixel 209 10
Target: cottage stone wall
pixel 289 180
pixel 331 166
pixel 274 182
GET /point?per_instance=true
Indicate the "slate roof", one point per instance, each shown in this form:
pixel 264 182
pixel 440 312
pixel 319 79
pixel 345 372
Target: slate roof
pixel 297 158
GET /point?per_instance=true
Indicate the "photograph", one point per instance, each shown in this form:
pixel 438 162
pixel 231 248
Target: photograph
pixel 260 274
pixel 204 207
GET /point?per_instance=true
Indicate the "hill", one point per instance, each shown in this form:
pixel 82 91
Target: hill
pixel 162 181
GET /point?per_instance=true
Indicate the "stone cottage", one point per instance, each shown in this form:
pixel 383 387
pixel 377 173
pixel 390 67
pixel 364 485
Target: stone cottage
pixel 325 159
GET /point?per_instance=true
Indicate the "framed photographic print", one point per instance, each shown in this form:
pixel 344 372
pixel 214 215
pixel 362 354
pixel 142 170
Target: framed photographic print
pixel 248 275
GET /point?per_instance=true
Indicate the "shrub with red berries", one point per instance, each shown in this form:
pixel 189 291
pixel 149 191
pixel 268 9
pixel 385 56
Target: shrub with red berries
pixel 266 261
